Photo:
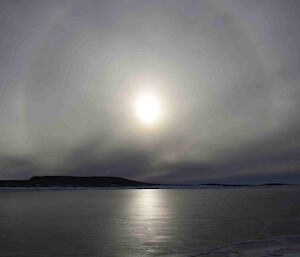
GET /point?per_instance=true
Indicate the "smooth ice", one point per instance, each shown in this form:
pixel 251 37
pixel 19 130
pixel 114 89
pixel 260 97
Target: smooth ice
pixel 231 222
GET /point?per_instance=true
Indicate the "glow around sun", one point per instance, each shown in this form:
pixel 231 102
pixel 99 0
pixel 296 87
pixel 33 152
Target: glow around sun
pixel 148 109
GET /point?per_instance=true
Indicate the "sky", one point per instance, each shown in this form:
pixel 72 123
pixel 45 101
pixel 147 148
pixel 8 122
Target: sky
pixel 226 73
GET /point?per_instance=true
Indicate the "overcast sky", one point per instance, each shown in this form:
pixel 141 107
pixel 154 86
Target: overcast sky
pixel 227 73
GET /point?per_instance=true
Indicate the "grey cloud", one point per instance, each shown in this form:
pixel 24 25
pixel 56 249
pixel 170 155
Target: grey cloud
pixel 230 84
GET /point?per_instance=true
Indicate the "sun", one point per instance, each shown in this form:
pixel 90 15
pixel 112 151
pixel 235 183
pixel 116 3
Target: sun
pixel 147 107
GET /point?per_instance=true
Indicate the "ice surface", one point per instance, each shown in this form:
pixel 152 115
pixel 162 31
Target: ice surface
pixel 151 223
pixel 288 246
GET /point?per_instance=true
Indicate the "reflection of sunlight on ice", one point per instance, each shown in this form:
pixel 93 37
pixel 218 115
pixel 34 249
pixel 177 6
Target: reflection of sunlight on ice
pixel 149 203
pixel 149 227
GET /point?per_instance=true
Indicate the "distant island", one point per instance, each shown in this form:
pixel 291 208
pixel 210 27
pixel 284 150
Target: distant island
pixel 110 182
pixel 72 181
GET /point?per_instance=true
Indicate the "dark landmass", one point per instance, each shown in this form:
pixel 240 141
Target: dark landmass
pixel 216 185
pixel 247 185
pixel 70 181
pixel 278 184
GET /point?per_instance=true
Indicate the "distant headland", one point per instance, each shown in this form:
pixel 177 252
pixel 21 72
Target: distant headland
pixel 72 181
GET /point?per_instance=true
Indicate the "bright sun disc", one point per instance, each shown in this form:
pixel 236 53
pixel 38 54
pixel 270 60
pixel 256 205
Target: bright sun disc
pixel 148 109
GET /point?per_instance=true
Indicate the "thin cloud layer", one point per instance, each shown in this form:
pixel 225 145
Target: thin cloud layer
pixel 227 73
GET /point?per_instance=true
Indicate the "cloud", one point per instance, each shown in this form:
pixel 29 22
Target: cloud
pixel 228 77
